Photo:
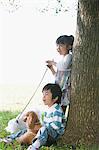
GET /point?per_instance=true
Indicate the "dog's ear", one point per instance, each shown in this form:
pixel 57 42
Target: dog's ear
pixel 35 117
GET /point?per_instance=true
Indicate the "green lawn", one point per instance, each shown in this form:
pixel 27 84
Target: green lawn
pixel 6 116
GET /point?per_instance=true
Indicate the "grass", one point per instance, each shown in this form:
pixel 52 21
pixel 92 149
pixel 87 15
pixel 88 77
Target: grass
pixel 6 116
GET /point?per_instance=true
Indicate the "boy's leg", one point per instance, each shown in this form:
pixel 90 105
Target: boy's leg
pixel 43 136
pixel 26 138
pixel 39 140
pixel 13 136
pixel 52 137
pixel 16 135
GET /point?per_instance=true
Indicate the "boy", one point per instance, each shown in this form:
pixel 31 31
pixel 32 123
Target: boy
pixel 54 123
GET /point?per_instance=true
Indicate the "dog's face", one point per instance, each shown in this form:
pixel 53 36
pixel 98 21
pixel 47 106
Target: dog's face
pixel 31 119
pixel 33 125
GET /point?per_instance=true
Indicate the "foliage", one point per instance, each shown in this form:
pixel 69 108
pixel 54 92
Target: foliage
pixel 41 7
pixel 10 5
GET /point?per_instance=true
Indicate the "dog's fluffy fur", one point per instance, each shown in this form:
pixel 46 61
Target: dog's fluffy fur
pixel 33 125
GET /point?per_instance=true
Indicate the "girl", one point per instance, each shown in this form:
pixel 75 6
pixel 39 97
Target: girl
pixel 64 45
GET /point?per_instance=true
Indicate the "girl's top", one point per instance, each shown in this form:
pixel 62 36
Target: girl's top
pixel 62 77
pixel 54 118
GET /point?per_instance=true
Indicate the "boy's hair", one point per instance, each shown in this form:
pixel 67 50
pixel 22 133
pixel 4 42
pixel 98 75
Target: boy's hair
pixel 55 90
pixel 65 39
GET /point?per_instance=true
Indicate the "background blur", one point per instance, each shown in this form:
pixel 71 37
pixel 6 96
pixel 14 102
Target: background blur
pixel 27 40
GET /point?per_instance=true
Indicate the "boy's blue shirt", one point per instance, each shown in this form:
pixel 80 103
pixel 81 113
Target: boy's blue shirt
pixel 54 118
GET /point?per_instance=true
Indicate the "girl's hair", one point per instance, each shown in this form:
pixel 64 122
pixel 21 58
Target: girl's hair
pixel 65 39
pixel 55 90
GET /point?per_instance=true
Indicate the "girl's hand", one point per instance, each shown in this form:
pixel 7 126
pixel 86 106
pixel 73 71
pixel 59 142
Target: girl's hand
pixel 50 63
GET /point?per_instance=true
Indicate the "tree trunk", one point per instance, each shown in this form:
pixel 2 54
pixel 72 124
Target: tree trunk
pixel 83 120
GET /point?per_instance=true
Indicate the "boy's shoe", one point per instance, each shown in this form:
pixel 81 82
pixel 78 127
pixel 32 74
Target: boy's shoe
pixel 32 148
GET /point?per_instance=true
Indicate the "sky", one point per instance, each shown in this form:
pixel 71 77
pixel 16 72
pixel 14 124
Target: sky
pixel 27 39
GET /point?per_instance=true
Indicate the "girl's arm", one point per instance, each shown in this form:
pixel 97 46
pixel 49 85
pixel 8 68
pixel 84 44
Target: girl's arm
pixel 65 63
pixel 52 69
pixel 50 65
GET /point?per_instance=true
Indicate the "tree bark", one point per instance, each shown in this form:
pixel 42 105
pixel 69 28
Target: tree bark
pixel 83 120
